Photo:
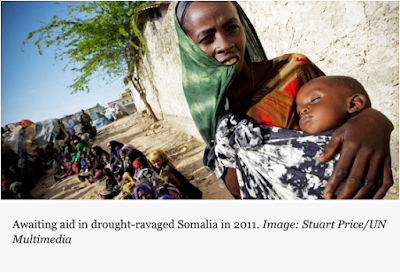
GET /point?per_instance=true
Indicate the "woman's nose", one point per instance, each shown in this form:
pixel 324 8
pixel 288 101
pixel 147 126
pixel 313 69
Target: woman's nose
pixel 224 44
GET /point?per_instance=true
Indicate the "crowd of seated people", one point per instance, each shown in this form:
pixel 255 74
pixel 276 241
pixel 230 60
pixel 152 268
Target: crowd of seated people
pixel 128 173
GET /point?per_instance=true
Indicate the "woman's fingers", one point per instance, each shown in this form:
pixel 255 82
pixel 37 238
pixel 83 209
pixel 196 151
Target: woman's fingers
pixel 348 167
pixel 371 181
pixel 354 186
pixel 387 179
pixel 331 148
pixel 340 170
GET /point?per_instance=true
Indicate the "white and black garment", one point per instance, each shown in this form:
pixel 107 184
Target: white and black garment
pixel 270 162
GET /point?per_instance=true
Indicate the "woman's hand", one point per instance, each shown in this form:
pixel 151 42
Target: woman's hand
pixel 364 157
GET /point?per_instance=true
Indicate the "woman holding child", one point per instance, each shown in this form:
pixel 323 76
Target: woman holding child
pixel 225 70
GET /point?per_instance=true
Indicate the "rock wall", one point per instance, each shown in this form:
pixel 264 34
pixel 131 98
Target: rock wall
pixel 357 39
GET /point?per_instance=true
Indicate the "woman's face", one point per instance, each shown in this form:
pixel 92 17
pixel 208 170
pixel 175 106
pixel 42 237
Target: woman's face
pixel 218 31
pixel 158 163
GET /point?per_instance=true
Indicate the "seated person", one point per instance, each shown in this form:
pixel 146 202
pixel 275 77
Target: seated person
pixel 130 157
pixel 160 160
pixel 140 163
pixel 127 187
pixel 276 163
pixel 109 191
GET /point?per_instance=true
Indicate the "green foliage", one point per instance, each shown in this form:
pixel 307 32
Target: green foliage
pixel 97 38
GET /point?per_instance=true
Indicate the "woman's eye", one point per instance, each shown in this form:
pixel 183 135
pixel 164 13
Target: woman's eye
pixel 232 27
pixel 206 39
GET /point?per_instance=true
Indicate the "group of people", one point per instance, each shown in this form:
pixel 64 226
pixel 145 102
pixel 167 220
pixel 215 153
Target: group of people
pixel 67 154
pixel 129 174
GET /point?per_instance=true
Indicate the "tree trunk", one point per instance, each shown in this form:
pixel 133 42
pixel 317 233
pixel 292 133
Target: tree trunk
pixel 144 99
pixel 137 85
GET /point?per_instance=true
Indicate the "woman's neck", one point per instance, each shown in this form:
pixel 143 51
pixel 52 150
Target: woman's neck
pixel 243 83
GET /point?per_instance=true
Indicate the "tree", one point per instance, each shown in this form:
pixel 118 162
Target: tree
pixel 97 39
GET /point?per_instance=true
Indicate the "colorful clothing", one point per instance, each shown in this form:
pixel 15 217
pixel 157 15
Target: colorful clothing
pixel 128 187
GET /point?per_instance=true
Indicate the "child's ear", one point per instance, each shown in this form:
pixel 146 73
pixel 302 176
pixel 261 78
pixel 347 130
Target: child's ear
pixel 356 103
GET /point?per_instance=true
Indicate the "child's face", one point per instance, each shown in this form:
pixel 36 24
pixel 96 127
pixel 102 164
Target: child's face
pixel 321 106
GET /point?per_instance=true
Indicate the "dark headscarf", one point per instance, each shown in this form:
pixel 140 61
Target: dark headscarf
pixel 133 154
pixel 114 146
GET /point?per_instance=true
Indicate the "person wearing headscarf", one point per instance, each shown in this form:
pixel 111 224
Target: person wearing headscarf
pixel 225 70
pixel 114 147
pixel 97 153
pixel 151 186
pixel 130 157
pixel 160 160
pixel 17 189
pixel 140 163
pixel 127 188
pixel 125 149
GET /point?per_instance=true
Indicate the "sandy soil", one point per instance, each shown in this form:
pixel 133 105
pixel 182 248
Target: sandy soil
pixel 138 129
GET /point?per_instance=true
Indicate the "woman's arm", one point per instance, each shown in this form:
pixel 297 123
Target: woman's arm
pixel 364 157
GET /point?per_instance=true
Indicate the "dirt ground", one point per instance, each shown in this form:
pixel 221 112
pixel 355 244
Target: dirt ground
pixel 139 130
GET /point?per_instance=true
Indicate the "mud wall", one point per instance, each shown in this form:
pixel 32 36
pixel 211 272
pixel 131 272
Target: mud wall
pixel 358 39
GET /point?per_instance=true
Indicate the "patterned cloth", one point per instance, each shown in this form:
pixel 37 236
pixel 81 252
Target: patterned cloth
pixel 148 180
pixel 270 162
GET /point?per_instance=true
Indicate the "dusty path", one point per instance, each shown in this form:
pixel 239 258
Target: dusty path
pixel 186 152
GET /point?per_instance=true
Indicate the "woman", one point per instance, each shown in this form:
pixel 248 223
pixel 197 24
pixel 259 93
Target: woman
pixel 114 147
pixel 131 156
pixel 225 70
pixel 160 160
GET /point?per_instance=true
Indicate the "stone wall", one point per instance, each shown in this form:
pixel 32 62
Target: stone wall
pixel 357 39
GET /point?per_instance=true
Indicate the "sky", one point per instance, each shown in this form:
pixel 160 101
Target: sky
pixel 34 86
